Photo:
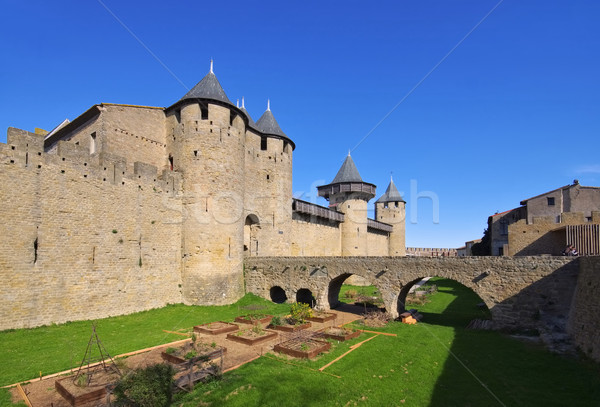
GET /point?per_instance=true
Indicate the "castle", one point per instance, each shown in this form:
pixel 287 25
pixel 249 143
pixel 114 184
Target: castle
pixel 128 208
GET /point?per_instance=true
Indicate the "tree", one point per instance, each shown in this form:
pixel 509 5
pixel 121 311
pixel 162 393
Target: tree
pixel 483 248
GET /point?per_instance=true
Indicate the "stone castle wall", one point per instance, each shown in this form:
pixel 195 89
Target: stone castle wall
pixel 378 244
pixel 77 244
pixel 315 238
pixel 584 321
pixel 544 235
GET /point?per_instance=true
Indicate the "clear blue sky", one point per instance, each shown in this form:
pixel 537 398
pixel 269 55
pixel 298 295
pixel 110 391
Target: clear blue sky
pixel 512 112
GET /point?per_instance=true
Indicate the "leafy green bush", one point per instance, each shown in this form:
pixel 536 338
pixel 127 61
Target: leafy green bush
pixel 148 387
pixel 191 354
pixel 276 321
pixel 299 311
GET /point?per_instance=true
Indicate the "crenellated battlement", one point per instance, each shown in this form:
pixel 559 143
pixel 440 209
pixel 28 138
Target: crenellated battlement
pixel 24 150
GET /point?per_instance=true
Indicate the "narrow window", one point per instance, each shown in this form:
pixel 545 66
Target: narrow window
pixel 93 143
pixel 204 112
pixel 35 250
pixel 195 153
pixel 263 143
pixel 26 159
pixel 551 201
pixel 171 162
pixel 232 117
pixel 267 177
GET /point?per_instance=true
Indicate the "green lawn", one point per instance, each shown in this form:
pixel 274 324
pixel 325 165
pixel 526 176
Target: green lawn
pixel 50 349
pixel 365 291
pixel 434 363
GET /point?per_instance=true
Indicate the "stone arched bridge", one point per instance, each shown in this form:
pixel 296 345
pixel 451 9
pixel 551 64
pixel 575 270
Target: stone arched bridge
pixel 519 291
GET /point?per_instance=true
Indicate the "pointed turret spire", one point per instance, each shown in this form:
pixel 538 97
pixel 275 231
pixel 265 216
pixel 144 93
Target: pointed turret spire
pixel 348 172
pixel 243 107
pixel 208 88
pixel 391 193
pixel 267 123
pixel 237 103
pixel 347 181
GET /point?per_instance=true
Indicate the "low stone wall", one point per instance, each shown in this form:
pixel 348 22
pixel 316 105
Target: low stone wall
pixel 584 321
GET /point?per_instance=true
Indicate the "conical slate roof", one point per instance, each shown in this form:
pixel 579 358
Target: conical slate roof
pixel 251 122
pixel 391 194
pixel 208 88
pixel 348 172
pixel 268 125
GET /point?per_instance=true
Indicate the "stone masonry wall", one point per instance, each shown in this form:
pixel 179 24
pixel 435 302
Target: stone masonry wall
pixel 314 239
pixel 377 244
pixel 542 236
pixel 584 321
pixel 521 292
pixel 76 245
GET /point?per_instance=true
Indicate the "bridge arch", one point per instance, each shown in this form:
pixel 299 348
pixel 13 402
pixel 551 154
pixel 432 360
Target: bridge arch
pixel 514 289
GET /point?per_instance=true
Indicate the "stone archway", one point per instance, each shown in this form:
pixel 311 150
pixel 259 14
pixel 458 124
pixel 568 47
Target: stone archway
pixel 251 226
pixel 507 285
pixel 306 296
pixel 401 301
pixel 278 295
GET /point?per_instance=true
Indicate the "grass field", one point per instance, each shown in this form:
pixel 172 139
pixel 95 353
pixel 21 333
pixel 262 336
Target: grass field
pixel 434 363
pixel 49 349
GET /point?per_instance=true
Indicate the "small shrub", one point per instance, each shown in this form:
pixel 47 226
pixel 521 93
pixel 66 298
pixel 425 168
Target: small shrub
pixel 121 364
pixel 170 351
pixel 299 311
pixel 213 345
pixel 114 231
pixel 148 387
pixel 304 346
pixel 276 321
pixel 190 355
pixel 194 338
pixel 351 294
pixel 257 329
pixel 82 380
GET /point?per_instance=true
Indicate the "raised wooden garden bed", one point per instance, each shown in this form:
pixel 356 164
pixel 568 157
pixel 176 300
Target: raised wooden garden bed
pixel 193 353
pixel 290 328
pixel 77 396
pixel 216 328
pixel 322 317
pixel 250 337
pixel 254 320
pixel 339 334
pixel 304 348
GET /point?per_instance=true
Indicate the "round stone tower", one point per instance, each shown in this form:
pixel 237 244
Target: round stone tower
pixel 390 209
pixel 350 195
pixel 271 192
pixel 206 136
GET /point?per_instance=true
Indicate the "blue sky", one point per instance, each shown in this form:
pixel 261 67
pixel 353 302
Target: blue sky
pixel 509 112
